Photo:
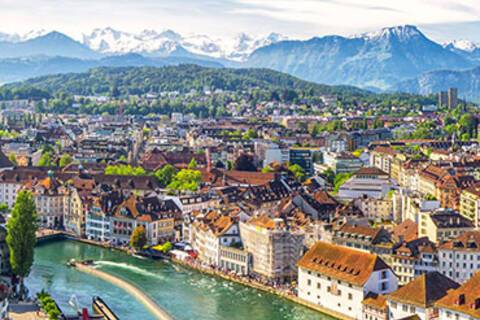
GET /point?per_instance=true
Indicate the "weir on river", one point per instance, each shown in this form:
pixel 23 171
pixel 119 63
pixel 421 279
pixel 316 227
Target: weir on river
pixel 183 293
pixel 153 307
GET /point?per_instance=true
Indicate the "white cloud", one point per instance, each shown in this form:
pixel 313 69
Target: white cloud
pixel 296 18
pixel 359 15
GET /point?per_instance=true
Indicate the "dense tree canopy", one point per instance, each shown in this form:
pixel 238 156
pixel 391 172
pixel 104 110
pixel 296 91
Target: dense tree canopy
pixel 21 237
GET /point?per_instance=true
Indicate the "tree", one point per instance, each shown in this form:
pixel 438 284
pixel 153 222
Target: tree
pixel 125 170
pixel 297 171
pixel 139 238
pixel 21 238
pixel 65 160
pixel 329 175
pixel 250 134
pixel 339 180
pixel 45 160
pixel 186 180
pixel 13 158
pixel 244 163
pixel 193 164
pixel 267 169
pixel 165 175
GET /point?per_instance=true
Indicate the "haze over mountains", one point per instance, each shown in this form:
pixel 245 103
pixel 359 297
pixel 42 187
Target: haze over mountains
pixel 397 58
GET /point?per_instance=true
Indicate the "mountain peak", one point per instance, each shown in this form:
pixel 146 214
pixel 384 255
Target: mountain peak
pixel 405 32
pixel 55 35
pixel 462 45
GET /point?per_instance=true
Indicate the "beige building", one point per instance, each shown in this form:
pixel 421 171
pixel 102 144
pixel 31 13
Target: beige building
pixel 382 158
pixel 50 198
pixel 275 249
pixel 470 205
pixel 376 208
pixel 442 225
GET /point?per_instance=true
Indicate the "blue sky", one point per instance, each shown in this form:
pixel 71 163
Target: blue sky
pixel 441 19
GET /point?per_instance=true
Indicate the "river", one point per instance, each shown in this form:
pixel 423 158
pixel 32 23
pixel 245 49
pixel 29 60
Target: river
pixel 186 294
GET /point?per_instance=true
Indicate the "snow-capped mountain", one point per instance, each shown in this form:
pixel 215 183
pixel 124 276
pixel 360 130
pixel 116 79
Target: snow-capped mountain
pixel 463 45
pixel 111 41
pixel 374 60
pixel 15 37
pixel 402 33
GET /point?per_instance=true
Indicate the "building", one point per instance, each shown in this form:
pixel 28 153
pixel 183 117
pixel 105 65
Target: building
pixel 419 296
pixel 269 152
pixel 361 237
pixel 442 225
pixel 470 204
pixel 305 158
pixel 463 303
pixel 412 258
pixel 459 259
pixel 275 248
pixel 452 98
pixel 50 198
pixel 375 307
pixel 340 278
pixel 156 216
pixel 366 182
pixel 376 208
pixel 342 162
pixel 443 99
pixel 382 158
pixel 211 233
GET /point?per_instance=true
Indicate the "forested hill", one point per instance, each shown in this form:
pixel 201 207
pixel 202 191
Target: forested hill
pixel 141 80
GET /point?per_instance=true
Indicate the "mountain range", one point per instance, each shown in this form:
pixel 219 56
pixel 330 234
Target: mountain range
pixel 467 82
pixel 388 59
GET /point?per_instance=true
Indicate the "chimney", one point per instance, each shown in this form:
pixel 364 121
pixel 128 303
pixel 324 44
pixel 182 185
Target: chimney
pixel 461 299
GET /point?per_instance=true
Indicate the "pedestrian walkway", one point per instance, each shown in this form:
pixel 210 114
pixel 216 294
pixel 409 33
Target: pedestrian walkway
pixel 26 311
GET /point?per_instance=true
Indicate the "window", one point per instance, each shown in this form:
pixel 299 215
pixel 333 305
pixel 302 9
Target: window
pixel 350 296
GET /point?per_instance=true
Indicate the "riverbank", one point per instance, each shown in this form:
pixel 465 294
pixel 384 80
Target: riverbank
pixel 259 286
pixel 284 294
pixel 154 308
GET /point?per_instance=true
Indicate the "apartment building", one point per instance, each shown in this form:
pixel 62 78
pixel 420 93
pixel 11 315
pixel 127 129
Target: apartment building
pixel 418 297
pixel 442 225
pixel 470 204
pixel 340 278
pixel 50 198
pixel 463 303
pixel 274 246
pixel 459 259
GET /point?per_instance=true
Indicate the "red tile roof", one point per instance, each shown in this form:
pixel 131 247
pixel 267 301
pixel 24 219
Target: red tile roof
pixel 342 263
pixel 424 290
pixel 465 299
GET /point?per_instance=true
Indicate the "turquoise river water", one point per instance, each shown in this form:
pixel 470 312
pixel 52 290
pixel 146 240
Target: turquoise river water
pixel 185 294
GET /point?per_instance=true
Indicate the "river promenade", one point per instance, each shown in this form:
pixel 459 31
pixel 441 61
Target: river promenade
pixel 154 308
pixel 282 293
pixel 285 294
